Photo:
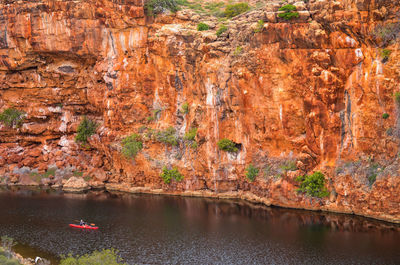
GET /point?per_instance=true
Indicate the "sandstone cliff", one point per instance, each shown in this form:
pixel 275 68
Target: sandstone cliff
pixel 295 96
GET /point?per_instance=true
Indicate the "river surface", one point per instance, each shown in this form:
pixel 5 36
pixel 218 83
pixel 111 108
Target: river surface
pixel 150 229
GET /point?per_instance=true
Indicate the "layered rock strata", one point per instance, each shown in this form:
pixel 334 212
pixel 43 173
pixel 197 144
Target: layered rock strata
pixel 295 96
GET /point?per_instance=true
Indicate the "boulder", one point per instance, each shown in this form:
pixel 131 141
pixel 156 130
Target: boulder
pixel 95 184
pixel 75 184
pixel 26 180
pixel 100 175
pixel 45 181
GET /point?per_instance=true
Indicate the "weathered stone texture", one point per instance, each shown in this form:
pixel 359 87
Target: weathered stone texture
pixel 312 90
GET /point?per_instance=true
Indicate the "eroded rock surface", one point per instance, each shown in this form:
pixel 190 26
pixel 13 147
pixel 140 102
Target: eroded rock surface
pixel 75 184
pixel 310 91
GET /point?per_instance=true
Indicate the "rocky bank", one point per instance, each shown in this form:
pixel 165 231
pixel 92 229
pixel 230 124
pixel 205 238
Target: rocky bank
pixel 313 93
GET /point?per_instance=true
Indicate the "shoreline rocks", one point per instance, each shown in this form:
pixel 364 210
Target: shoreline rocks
pixel 75 184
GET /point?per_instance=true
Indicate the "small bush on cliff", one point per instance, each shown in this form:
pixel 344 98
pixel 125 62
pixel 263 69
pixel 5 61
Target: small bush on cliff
pixel 289 165
pixel 86 129
pixel 372 179
pixel 202 26
pixel 387 34
pixel 385 116
pixel 227 145
pixel 185 108
pixel 190 136
pixel 260 25
pixel 372 172
pixel 168 136
pixel 397 98
pixel 154 7
pixel 106 257
pixel 12 117
pixel 385 54
pixel 131 145
pixel 313 185
pixel 251 172
pixel 168 174
pixel 221 30
pixel 289 12
pixel 236 9
pixel 238 50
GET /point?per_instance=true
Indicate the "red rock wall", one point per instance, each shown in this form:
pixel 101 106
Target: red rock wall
pixel 312 90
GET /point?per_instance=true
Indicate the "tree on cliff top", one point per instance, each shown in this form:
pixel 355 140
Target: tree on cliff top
pixel 154 7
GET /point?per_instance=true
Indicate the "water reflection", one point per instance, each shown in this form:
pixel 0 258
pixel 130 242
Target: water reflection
pixel 150 229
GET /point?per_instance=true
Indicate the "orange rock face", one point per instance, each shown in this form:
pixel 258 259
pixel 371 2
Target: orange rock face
pixel 298 96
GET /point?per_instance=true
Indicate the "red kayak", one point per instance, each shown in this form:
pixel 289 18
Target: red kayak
pixel 84 226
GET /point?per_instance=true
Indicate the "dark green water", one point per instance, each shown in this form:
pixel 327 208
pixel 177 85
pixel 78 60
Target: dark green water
pixel 176 230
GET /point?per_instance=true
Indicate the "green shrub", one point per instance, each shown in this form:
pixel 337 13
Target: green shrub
pixel 194 144
pixel 202 26
pixel 86 129
pixel 168 174
pixel 288 15
pixel 155 115
pixel 287 8
pixel 238 50
pixel 236 9
pixel 6 261
pixel 387 34
pixel 372 179
pixel 214 7
pixel 12 117
pixel 289 12
pixel 185 108
pixel 49 172
pixel 221 30
pixel 191 134
pixel 260 25
pixel 251 172
pixel 7 243
pixel 142 129
pixel 385 53
pixel 2 252
pixel 191 137
pixel 168 136
pixel 131 145
pixel 288 165
pixel 106 257
pixel 385 116
pixel 397 97
pixel 87 178
pixel 372 172
pixel 154 7
pixel 227 145
pixel 156 112
pixel 313 185
pixel 77 173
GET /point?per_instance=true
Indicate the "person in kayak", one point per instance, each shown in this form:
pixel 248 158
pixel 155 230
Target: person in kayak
pixel 82 222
